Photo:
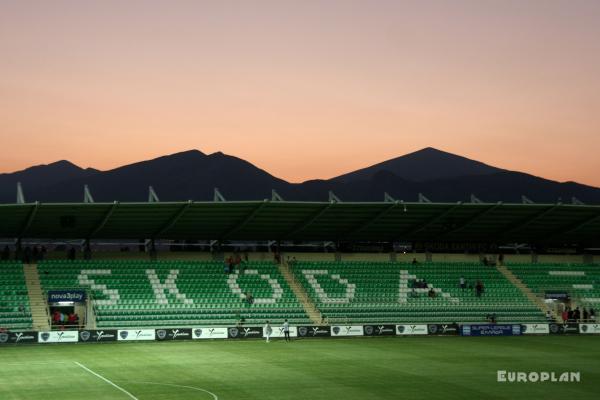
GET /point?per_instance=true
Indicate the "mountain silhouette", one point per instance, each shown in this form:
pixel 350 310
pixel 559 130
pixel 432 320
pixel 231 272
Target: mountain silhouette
pixel 193 175
pixel 41 178
pixel 423 165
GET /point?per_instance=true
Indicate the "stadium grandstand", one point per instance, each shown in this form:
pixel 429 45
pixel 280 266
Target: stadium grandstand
pixel 161 289
pixel 163 272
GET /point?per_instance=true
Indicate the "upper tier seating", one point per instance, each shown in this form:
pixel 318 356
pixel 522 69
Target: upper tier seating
pixel 13 296
pixel 176 293
pixel 581 281
pixel 371 292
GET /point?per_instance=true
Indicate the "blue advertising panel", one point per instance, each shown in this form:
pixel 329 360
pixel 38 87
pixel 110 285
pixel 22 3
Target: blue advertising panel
pixel 490 330
pixel 55 296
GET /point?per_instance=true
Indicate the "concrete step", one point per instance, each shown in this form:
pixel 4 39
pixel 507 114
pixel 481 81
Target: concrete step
pixel 527 291
pixel 309 307
pixel 37 302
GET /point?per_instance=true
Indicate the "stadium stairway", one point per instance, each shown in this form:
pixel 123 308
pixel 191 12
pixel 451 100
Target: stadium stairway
pixel 39 310
pixel 526 291
pixel 309 306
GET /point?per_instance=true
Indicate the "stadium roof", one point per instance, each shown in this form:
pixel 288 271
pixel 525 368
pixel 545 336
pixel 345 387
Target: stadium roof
pixel 305 221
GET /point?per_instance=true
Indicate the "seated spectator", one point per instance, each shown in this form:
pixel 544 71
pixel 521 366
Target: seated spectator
pixel 479 288
pixel 462 283
pixel 431 293
pixel 586 315
pixel 56 317
pixel 414 261
pixel 225 268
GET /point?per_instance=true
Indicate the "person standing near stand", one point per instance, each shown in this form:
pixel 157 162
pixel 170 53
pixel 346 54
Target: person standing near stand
pixel 268 331
pixel 286 330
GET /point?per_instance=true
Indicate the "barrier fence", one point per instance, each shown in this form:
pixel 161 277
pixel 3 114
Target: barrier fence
pixel 305 331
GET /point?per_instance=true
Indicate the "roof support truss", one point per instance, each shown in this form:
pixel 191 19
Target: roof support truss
pixel 574 227
pixel 173 220
pixel 431 221
pixel 524 223
pixel 244 222
pixel 29 220
pixel 372 221
pixel 471 220
pixel 104 220
pixel 303 225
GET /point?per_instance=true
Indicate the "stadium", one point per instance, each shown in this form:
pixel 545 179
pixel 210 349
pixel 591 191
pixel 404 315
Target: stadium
pixel 290 200
pixel 169 321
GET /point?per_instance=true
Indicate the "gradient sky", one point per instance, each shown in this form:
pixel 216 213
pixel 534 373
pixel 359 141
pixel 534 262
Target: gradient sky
pixel 303 89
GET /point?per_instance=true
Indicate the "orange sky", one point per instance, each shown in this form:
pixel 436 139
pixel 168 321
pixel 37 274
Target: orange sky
pixel 302 89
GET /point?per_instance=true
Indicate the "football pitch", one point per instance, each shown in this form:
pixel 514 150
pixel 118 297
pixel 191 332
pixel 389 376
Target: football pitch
pixel 366 368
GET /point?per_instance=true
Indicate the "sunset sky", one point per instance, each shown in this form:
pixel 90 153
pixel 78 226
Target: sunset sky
pixel 303 89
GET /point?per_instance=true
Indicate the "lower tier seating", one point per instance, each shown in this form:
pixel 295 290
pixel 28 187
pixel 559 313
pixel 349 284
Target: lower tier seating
pixel 362 292
pixel 15 311
pixel 177 293
pixel 580 281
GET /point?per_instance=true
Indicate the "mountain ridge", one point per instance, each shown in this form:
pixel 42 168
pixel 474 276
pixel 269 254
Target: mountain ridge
pixel 192 174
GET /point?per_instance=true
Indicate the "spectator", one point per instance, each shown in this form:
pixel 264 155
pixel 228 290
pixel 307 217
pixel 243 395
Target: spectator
pixel 71 319
pixel 586 315
pixel 431 293
pixel 414 261
pixel 268 331
pixel 577 314
pixel 36 253
pixel 6 253
pixel 479 288
pixel 485 261
pixel 549 317
pixel 43 252
pixel 463 285
pixel 570 315
pixel 87 252
pixel 592 315
pixel 71 254
pixel 27 255
pixel 565 315
pixel 226 266
pixel 21 308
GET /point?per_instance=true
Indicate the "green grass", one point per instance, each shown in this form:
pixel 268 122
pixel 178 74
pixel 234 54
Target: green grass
pixel 335 369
